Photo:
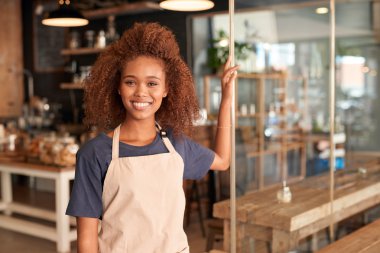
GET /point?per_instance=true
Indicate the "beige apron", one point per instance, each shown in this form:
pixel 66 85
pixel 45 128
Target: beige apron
pixel 143 203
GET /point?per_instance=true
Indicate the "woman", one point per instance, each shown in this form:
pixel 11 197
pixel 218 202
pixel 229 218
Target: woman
pixel 142 93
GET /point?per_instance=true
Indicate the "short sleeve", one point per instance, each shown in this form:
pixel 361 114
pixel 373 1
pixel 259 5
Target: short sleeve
pixel 86 195
pixel 197 159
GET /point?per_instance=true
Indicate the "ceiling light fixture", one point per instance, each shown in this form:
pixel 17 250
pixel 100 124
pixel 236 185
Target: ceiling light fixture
pixel 186 5
pixel 321 10
pixel 64 16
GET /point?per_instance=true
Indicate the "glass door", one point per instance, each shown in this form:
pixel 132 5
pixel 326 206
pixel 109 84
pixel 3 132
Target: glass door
pixel 285 145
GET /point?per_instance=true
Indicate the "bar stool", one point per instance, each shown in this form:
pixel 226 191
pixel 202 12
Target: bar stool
pixel 193 195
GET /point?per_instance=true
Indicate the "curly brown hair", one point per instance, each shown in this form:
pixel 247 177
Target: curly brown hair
pixel 103 105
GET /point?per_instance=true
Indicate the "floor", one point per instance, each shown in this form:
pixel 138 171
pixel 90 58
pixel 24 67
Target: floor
pixel 12 242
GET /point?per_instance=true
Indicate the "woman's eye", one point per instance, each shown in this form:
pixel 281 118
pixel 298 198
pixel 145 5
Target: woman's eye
pixel 152 84
pixel 129 82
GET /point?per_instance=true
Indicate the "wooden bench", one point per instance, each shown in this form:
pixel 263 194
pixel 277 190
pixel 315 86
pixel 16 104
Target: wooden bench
pixel 364 240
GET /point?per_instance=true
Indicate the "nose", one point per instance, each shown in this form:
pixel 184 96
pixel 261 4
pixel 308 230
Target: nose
pixel 141 90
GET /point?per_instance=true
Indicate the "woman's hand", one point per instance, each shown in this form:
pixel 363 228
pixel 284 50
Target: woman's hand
pixel 223 134
pixel 228 77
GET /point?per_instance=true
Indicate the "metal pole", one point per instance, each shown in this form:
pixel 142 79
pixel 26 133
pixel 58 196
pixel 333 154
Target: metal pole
pixel 232 166
pixel 332 114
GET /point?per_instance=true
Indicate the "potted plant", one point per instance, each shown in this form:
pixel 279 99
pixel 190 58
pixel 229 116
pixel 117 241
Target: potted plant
pixel 217 53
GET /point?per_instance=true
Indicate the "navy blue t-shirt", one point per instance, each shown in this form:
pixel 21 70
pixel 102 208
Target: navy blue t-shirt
pixel 95 156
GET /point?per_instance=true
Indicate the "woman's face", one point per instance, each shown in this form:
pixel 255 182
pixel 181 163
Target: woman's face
pixel 142 87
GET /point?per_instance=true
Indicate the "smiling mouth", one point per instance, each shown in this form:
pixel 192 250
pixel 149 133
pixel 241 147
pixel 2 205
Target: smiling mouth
pixel 141 105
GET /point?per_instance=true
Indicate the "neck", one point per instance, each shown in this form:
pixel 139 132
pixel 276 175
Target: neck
pixel 138 133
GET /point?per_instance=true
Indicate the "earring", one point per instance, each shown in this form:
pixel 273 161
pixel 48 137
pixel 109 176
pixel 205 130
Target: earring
pixel 118 91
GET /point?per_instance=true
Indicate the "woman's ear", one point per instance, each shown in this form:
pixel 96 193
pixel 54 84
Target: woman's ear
pixel 166 90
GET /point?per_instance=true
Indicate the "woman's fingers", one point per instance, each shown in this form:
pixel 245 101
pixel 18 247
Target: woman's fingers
pixel 229 74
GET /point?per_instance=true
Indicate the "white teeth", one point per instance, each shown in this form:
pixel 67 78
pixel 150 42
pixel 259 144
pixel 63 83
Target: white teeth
pixel 140 105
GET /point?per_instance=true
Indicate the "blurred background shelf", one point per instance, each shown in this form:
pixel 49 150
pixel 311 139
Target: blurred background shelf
pixel 71 86
pixel 81 51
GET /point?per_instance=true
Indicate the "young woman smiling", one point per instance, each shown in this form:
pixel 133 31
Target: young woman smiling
pixel 141 94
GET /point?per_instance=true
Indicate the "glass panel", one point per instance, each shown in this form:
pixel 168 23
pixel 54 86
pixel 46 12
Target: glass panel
pixel 357 81
pixel 357 100
pixel 282 119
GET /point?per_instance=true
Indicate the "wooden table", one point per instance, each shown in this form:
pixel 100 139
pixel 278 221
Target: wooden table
pixel 261 217
pixel 62 176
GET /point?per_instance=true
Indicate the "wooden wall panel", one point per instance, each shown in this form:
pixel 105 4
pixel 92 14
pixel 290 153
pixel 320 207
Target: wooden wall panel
pixel 11 59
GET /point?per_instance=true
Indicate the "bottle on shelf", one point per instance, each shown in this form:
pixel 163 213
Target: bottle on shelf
pixel 111 34
pixel 244 109
pixel 89 35
pixel 74 41
pixel 71 67
pixel 271 121
pixel 100 40
pixel 252 109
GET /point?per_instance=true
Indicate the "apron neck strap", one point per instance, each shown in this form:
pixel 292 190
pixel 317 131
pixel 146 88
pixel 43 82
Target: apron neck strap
pixel 165 139
pixel 162 132
pixel 115 143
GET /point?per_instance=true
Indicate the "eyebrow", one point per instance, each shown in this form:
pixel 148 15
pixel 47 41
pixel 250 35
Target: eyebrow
pixel 154 77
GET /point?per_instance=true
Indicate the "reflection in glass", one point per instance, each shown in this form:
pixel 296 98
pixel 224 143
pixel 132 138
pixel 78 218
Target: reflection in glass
pixel 284 77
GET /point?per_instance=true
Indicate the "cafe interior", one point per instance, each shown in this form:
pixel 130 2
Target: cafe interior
pixel 305 168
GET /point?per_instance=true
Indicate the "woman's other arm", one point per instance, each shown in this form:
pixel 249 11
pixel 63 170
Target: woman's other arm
pixel 223 133
pixel 87 232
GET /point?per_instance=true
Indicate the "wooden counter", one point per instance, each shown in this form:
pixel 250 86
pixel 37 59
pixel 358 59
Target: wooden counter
pixel 61 234
pixel 262 217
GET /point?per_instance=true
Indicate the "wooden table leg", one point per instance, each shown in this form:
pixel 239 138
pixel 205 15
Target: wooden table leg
pixel 261 247
pixel 242 244
pixel 240 237
pixel 283 241
pixel 314 242
pixel 226 235
pixel 6 190
pixel 63 221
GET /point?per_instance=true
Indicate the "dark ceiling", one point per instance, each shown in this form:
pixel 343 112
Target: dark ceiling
pixel 96 4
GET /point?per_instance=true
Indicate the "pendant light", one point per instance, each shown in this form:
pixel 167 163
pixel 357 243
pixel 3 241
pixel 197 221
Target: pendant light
pixel 64 16
pixel 186 5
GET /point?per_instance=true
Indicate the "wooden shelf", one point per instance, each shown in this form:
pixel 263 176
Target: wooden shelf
pixel 285 139
pixel 81 51
pixel 275 150
pixel 314 137
pixel 122 9
pixel 71 86
pixel 256 115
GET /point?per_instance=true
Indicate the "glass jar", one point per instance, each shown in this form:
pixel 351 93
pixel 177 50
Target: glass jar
pixel 74 41
pixel 65 153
